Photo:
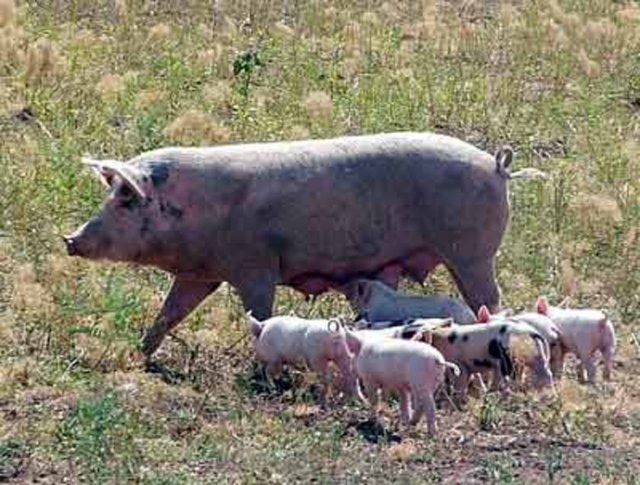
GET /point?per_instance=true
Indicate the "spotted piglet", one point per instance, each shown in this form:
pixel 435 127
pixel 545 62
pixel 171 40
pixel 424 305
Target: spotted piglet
pixel 542 323
pixel 411 369
pixel 486 347
pixel 584 332
pixel 298 341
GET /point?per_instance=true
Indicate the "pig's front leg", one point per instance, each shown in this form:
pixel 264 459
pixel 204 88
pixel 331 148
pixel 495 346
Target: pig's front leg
pixel 348 383
pixel 590 366
pixel 371 391
pixel 461 386
pixel 556 362
pixel 430 412
pixel 607 357
pixel 498 382
pixel 182 298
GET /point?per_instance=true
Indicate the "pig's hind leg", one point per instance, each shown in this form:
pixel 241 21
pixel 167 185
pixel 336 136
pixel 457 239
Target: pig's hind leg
pixel 321 368
pixel 607 357
pixel 272 370
pixel 348 382
pixel 556 362
pixel 425 404
pixel 461 386
pixel 477 283
pixel 182 298
pixel 371 392
pixel 589 363
pixel 430 411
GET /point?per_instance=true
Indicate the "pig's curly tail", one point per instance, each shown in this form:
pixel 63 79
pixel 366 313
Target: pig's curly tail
pixel 335 324
pixel 452 366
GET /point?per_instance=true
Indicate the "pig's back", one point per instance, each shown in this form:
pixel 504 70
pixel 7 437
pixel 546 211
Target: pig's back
pixel 541 323
pixel 285 336
pixel 394 362
pixel 438 306
pixel 578 327
pixel 320 154
pixel 343 206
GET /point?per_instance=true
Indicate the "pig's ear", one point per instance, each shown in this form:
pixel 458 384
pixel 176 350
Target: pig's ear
pixel 565 302
pixel 110 169
pixel 364 291
pixel 348 290
pixel 542 305
pixel 445 322
pixel 484 315
pixel 423 335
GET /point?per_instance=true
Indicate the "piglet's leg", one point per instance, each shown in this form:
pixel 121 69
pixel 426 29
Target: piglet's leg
pixel 590 366
pixel 271 371
pixel 586 364
pixel 462 386
pixel 607 357
pixel 556 362
pixel 430 411
pixel 371 391
pixel 419 408
pixel 348 383
pixel 405 408
pixel 321 368
pixel 182 298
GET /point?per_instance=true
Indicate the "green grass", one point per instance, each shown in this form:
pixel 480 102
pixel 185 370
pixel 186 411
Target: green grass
pixel 558 81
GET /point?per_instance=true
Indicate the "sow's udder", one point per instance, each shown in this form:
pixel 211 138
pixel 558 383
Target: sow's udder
pixel 416 265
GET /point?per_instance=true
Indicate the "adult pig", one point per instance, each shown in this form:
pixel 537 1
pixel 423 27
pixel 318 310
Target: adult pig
pixel 312 215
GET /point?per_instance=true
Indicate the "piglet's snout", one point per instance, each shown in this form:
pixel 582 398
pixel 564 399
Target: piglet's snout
pixel 70 243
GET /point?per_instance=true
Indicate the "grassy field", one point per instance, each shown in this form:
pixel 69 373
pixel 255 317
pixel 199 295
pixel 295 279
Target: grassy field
pixel 557 80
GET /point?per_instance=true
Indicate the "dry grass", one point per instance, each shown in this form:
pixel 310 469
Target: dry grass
pixel 196 128
pixel 557 80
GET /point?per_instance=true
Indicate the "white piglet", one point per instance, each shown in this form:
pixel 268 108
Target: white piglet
pixel 411 369
pixel 584 332
pixel 298 341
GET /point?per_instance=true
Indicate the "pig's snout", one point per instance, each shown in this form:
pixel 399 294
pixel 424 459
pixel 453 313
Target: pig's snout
pixel 72 246
pixel 87 241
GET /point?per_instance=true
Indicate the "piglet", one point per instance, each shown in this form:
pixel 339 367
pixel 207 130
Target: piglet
pixel 542 323
pixel 486 347
pixel 295 341
pixel 411 369
pixel 376 302
pixel 420 328
pixel 584 332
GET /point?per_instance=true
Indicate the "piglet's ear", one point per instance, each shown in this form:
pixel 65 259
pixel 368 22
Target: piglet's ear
pixel 446 322
pixel 109 170
pixel 484 315
pixel 542 305
pixel 423 335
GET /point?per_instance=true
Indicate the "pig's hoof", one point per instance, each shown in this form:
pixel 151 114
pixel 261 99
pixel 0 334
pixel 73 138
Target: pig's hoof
pixel 136 355
pixel 168 375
